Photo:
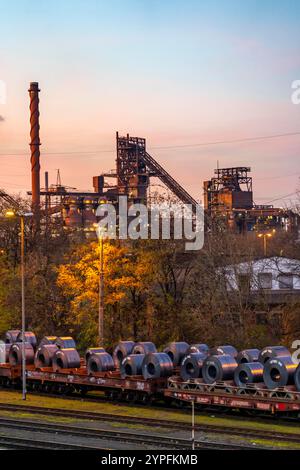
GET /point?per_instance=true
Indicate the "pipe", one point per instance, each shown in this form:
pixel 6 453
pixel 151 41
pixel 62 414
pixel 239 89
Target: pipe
pixel 35 149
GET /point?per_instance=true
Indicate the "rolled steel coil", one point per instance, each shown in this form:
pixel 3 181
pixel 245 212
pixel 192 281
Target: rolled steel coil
pixel 65 342
pixel 218 368
pixel 47 340
pixel 191 366
pixel 269 352
pixel 90 351
pixel 132 365
pixel 228 350
pixel 15 354
pixel 99 362
pixel 279 371
pixel 123 349
pixel 44 355
pixel 4 352
pixel 248 373
pixel 11 336
pixel 144 347
pixel 198 348
pixel 29 338
pixel 247 355
pixel 176 351
pixel 67 358
pixel 156 365
pixel 297 377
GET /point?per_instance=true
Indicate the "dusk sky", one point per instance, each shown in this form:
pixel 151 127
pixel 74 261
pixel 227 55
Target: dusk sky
pixel 177 72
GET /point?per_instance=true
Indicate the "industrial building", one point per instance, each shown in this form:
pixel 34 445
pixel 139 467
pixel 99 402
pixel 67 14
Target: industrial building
pixel 228 197
pixel 131 177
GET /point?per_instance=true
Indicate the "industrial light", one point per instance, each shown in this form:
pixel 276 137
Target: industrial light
pixel 10 213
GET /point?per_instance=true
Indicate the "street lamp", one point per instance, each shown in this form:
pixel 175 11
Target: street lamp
pixel 22 215
pixel 100 234
pixel 265 236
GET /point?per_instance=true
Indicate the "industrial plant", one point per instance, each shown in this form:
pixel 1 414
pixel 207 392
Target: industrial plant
pixel 228 195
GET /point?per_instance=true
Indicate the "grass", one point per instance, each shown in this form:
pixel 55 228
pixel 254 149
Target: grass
pixel 47 418
pixel 14 398
pixel 278 444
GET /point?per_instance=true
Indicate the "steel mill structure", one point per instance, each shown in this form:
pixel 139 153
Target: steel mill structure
pixel 265 381
pixel 132 173
pixel 131 178
pixel 228 195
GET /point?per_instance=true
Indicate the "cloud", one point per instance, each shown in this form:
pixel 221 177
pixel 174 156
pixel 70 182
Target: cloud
pixel 1 118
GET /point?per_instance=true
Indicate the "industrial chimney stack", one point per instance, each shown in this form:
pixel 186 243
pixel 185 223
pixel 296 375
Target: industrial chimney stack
pixel 35 150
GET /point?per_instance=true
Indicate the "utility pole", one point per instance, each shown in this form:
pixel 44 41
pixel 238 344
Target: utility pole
pixel 23 305
pixel 101 295
pixel 21 216
pixel 193 424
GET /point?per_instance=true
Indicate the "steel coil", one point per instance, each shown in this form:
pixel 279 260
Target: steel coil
pixel 218 368
pixel 99 362
pixel 65 359
pixel 11 336
pixel 248 373
pixel 269 352
pixel 228 350
pixel 176 351
pixel 198 348
pixel 90 351
pixel 279 371
pixel 297 377
pixel 15 354
pixel 157 365
pixel 47 340
pixel 132 365
pixel 65 342
pixel 123 349
pixel 44 355
pixel 4 352
pixel 29 338
pixel 144 347
pixel 191 366
pixel 247 355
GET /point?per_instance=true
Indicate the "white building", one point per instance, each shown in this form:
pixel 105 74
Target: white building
pixel 276 274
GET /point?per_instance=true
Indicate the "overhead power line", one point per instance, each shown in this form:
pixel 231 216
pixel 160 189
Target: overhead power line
pixel 200 144
pixel 282 197
pixel 232 141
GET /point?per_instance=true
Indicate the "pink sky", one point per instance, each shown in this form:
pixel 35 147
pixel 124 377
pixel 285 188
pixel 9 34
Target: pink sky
pixel 190 75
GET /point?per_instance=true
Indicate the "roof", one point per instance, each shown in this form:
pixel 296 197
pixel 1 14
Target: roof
pixel 264 264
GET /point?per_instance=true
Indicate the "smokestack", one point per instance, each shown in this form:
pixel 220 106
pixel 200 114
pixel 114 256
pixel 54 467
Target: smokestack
pixel 35 149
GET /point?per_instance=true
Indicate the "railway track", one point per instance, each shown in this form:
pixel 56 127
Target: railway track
pixel 20 443
pixel 121 419
pixel 121 436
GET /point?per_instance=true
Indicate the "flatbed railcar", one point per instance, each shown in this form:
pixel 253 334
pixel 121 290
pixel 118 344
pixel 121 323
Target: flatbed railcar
pixel 68 381
pixel 223 396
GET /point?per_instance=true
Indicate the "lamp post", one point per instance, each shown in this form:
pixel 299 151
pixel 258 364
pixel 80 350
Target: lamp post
pixel 265 236
pixel 193 424
pixel 101 295
pixel 11 213
pixel 100 234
